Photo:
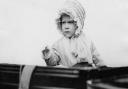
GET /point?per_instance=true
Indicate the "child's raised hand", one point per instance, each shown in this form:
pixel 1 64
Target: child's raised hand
pixel 46 51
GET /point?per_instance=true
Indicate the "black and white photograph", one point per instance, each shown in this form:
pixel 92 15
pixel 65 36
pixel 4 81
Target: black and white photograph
pixel 63 44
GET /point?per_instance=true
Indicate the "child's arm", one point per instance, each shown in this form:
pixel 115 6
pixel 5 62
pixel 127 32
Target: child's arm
pixel 50 56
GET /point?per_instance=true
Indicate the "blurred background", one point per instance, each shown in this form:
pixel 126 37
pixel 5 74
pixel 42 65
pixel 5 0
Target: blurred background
pixel 26 26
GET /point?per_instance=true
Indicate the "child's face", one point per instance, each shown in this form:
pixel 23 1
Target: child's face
pixel 68 26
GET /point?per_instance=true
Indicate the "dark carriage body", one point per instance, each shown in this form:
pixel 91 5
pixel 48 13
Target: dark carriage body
pixel 65 78
pixel 42 77
pixel 9 76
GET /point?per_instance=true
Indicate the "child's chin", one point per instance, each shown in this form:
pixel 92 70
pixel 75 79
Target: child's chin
pixel 68 36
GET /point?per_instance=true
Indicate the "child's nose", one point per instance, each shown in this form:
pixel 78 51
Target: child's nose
pixel 66 28
pixel 66 25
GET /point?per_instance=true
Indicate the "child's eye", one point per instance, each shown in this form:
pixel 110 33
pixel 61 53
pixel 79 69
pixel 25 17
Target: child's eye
pixel 63 22
pixel 70 22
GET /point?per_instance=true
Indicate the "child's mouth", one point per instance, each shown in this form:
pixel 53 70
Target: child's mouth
pixel 67 32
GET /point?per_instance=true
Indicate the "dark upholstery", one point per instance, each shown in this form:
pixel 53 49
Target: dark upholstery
pixel 65 78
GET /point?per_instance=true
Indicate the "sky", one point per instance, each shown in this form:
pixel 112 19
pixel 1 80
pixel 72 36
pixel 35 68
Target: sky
pixel 27 26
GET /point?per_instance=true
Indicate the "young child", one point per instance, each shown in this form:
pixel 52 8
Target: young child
pixel 74 47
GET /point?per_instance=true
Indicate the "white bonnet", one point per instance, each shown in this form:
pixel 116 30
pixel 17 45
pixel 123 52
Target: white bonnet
pixel 74 9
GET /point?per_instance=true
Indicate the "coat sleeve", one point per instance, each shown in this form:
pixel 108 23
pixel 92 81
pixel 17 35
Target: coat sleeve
pixel 96 56
pixel 53 58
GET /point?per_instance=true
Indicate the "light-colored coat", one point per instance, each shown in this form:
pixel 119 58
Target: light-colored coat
pixel 73 51
pixel 79 48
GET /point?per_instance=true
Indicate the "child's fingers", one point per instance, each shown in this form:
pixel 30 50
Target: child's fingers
pixel 46 49
pixel 43 51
